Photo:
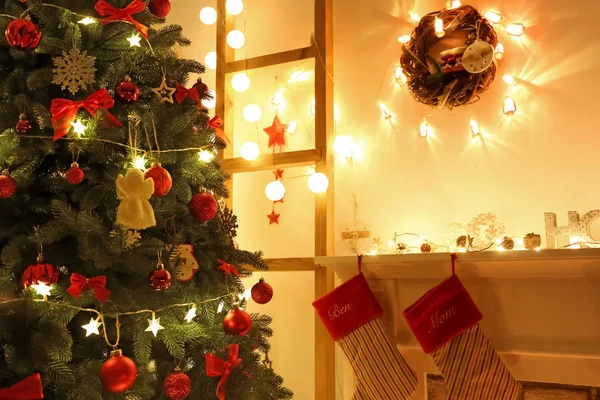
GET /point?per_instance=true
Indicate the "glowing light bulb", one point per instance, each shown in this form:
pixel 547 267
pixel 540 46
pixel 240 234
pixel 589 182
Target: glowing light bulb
pixel 493 16
pixel 509 79
pixel 211 60
pixel 234 7
pixel 275 191
pixel 42 289
pixel 439 27
pixel 140 163
pixel 240 82
pixel 515 29
pixel 414 17
pixel 236 39
pixel 277 98
pixel 475 131
pixel 221 306
pixel 134 40
pixel 78 127
pixel 499 51
pixel 292 126
pixel 252 113
pixel 400 76
pixel 509 107
pixel 208 15
pixel 205 156
pixel 154 325
pixel 387 115
pixel 87 21
pixel 452 4
pixel 344 146
pixel 92 327
pixel 250 151
pixel 191 314
pixel 318 182
pixel 425 130
pixel 210 102
pixel 404 38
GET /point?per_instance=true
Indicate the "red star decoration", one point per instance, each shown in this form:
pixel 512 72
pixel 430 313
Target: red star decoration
pixel 278 173
pixel 273 218
pixel 276 133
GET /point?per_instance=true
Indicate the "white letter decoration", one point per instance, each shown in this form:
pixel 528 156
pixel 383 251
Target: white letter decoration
pixel 577 229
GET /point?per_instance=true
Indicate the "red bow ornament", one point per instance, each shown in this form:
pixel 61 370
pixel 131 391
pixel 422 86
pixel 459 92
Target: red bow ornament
pixel 112 14
pixel 64 111
pixel 80 283
pixel 29 388
pixel 182 93
pixel 228 268
pixel 217 367
pixel 216 123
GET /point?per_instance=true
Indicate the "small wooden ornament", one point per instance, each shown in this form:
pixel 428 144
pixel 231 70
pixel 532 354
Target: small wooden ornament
pixel 188 264
pixel 164 92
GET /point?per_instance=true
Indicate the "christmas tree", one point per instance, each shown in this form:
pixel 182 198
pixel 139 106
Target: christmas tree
pixel 119 273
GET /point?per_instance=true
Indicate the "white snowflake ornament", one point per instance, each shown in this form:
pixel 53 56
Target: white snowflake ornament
pixel 74 70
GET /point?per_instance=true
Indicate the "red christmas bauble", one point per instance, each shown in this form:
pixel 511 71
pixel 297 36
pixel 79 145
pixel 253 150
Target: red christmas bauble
pixel 39 273
pixel 118 373
pixel 160 278
pixel 262 292
pixel 237 322
pixel 75 175
pixel 160 8
pixel 23 126
pixel 8 185
pixel 177 386
pixel 22 34
pixel 162 179
pixel 203 207
pixel 127 92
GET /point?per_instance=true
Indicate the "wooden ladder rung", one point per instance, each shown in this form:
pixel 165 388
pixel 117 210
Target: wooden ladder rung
pixel 271 59
pixel 265 162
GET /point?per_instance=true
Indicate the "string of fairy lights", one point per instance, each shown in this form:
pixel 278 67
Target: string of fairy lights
pixel 99 319
pixel 252 113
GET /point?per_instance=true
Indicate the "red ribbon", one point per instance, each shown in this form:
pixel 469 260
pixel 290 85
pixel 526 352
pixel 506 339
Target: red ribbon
pixel 64 111
pixel 29 388
pixel 217 367
pixel 228 268
pixel 182 93
pixel 80 283
pixel 112 14
pixel 216 123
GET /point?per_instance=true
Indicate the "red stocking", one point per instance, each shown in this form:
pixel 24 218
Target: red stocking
pixel 353 318
pixel 445 321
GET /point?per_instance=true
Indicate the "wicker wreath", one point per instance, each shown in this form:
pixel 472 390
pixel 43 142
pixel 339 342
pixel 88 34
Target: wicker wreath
pixel 439 78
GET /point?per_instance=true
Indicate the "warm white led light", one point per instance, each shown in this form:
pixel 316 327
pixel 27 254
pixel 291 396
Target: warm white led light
pixel 275 191
pixel 236 39
pixel 250 151
pixel 318 183
pixel 493 16
pixel 515 29
pixel 234 7
pixel 240 82
pixel 212 101
pixel 211 60
pixel 208 15
pixel 252 113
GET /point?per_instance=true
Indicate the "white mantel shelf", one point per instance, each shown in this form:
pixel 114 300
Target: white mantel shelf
pixel 560 263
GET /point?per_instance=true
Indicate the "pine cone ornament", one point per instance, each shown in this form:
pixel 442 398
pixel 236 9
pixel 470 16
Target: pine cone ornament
pixel 507 243
pixel 462 241
pixel 426 248
pixel 532 241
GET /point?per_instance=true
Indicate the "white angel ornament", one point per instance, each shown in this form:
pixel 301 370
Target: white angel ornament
pixel 134 191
